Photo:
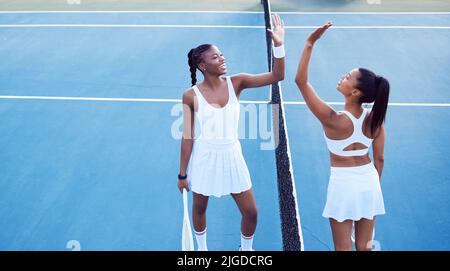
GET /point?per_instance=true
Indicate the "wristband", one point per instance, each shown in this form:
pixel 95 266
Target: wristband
pixel 182 177
pixel 278 52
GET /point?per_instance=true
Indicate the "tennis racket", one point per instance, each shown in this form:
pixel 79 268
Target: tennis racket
pixel 187 241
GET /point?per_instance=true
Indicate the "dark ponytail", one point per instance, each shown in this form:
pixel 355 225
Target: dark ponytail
pixel 375 89
pixel 195 58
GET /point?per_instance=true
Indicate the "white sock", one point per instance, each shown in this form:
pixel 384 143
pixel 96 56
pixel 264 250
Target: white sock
pixel 246 242
pixel 201 240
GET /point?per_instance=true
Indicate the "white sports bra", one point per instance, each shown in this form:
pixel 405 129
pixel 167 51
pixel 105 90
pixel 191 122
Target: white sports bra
pixel 337 146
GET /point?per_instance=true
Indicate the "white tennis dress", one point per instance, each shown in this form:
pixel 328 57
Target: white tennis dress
pixel 216 166
pixel 353 192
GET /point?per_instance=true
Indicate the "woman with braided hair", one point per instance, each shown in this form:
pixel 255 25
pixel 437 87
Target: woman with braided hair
pixel 211 162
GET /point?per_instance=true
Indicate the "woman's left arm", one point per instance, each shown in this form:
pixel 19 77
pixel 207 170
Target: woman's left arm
pixel 245 80
pixel 378 150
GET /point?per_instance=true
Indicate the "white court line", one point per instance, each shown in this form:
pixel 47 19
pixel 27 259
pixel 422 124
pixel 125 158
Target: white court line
pixel 363 13
pixel 390 104
pixel 131 11
pixel 207 26
pixel 108 99
pixel 157 100
pixel 124 26
pixel 374 27
pixel 231 12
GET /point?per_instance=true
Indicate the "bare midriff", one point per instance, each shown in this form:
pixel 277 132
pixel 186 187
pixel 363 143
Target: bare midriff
pixel 352 161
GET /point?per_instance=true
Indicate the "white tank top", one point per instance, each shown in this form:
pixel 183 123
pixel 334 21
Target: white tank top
pixel 337 146
pixel 217 125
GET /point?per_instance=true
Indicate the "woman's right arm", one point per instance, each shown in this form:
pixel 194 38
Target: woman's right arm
pixel 318 107
pixel 187 139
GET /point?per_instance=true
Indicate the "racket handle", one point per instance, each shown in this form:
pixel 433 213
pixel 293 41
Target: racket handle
pixel 185 203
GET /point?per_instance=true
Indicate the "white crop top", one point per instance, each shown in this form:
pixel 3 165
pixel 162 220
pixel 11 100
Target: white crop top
pixel 337 146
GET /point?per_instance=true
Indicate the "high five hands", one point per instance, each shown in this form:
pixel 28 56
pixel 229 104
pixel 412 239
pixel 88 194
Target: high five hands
pixel 316 34
pixel 277 33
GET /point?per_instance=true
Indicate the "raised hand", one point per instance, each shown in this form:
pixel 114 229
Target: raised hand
pixel 316 34
pixel 277 33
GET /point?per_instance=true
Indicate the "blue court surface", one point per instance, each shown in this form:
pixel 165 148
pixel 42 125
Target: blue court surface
pixel 90 113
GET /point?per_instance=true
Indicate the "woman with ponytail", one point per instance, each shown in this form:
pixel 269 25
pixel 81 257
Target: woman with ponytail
pixel 211 162
pixel 354 196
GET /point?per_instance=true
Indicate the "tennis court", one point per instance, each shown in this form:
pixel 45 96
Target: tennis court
pixel 90 109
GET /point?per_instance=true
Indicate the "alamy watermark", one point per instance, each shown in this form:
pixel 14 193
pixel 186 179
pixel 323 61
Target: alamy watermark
pixel 374 245
pixel 73 245
pixel 255 121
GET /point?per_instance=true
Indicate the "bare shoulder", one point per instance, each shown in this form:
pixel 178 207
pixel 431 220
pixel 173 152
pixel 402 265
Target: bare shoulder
pixel 188 96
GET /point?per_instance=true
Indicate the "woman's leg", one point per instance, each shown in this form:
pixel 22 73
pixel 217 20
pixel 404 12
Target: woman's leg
pixel 364 234
pixel 341 234
pixel 247 206
pixel 200 203
pixel 199 212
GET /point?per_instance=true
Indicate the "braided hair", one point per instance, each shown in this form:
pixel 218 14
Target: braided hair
pixel 195 58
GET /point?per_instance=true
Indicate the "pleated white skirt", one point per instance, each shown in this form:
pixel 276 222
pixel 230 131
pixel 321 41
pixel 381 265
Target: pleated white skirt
pixel 354 193
pixel 218 169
